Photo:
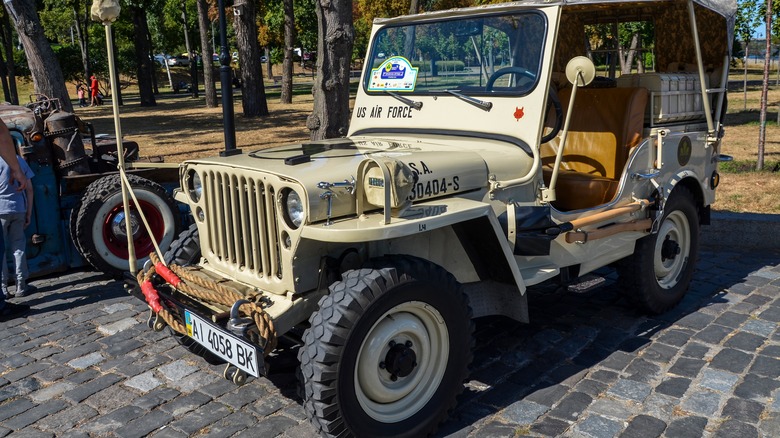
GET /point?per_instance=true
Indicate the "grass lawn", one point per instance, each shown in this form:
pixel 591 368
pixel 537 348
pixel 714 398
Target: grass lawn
pixel 181 127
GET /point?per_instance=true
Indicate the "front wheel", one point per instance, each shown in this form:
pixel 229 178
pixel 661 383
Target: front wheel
pixel 657 276
pixel 387 351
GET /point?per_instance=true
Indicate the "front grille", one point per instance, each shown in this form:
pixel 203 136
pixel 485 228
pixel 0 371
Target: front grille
pixel 242 224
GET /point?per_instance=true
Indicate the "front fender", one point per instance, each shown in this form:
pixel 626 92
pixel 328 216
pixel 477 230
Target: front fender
pixel 459 213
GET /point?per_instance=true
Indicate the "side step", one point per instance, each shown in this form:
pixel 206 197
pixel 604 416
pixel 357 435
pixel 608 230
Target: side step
pixel 585 284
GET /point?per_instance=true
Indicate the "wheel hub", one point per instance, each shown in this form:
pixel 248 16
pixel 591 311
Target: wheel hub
pixel 669 249
pixel 400 360
pixel 118 227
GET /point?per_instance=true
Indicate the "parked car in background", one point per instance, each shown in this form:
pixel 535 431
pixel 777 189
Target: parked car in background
pixel 160 58
pixel 179 61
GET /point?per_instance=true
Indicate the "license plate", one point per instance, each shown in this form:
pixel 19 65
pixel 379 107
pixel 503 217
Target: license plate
pixel 223 344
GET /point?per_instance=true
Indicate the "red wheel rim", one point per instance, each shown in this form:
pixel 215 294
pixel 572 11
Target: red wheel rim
pixel 141 241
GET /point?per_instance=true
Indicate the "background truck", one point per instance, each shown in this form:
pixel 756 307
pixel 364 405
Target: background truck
pixel 490 150
pixel 78 214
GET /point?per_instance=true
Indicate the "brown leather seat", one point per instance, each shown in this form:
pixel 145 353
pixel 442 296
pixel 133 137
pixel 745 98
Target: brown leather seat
pixel 606 123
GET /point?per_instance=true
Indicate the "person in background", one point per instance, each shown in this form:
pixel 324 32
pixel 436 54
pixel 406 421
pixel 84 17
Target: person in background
pixel 15 215
pixel 82 93
pixel 94 87
pixel 8 310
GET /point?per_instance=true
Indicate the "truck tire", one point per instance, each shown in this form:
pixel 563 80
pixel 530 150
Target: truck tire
pixel 387 351
pixel 185 251
pixel 657 275
pixel 100 234
pixel 72 219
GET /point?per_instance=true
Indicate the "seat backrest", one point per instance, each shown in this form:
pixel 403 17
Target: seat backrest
pixel 605 124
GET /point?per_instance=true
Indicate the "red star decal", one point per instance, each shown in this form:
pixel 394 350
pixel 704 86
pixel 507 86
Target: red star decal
pixel 519 113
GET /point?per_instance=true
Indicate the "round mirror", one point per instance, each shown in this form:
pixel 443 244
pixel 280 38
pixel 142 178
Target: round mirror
pixel 581 70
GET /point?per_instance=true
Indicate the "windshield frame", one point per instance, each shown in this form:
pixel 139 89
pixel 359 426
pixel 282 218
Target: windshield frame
pixel 374 50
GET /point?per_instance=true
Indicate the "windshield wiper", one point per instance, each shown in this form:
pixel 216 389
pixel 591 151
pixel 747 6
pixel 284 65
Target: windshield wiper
pixel 414 104
pixel 481 104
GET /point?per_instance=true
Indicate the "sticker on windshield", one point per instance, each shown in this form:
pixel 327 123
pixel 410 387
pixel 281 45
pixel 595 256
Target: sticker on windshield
pixel 395 74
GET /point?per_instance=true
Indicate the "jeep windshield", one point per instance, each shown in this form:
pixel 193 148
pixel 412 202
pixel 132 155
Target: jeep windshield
pixel 488 56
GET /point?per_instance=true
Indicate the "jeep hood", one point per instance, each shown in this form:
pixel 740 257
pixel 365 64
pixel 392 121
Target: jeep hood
pixel 441 169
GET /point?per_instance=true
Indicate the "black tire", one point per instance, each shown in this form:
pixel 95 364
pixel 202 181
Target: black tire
pixel 185 250
pixel 102 244
pixel 658 274
pixel 417 305
pixel 72 218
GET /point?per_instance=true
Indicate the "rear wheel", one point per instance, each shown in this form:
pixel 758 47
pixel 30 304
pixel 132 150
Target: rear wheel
pixel 100 225
pixel 657 276
pixel 387 351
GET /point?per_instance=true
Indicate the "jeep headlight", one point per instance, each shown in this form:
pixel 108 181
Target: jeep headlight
pixel 194 186
pixel 402 178
pixel 293 208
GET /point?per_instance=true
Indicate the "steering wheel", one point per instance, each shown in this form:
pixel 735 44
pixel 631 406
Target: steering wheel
pixel 555 102
pixel 506 71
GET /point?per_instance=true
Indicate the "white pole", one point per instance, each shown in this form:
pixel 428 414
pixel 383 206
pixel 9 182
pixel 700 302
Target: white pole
pixel 120 150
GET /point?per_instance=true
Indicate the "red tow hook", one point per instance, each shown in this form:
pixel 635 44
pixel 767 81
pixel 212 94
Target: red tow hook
pixel 151 296
pixel 167 274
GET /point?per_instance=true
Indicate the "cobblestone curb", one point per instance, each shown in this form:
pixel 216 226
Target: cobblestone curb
pixel 743 231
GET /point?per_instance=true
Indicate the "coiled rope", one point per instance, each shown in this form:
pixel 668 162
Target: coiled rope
pixel 209 291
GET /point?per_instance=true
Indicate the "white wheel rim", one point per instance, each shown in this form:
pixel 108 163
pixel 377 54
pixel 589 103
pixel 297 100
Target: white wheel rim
pixel 105 210
pixel 677 230
pixel 389 401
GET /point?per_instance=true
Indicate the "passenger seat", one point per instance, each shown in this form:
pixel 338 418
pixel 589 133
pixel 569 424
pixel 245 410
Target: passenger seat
pixel 606 123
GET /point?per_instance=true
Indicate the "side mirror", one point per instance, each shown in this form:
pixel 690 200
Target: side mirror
pixel 580 71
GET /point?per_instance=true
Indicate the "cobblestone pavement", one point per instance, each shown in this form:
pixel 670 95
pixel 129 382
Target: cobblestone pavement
pixel 83 363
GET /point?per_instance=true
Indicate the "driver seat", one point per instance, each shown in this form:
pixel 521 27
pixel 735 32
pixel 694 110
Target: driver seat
pixel 605 124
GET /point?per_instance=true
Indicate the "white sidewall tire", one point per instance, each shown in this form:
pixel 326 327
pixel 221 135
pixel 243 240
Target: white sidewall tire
pixel 116 199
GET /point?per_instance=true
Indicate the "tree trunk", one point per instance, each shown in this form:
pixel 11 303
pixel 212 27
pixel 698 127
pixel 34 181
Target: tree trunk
pixel 253 100
pixel 206 52
pixel 330 117
pixel 8 48
pixel 269 70
pixel 414 7
pixel 144 67
pixel 46 72
pixel 765 88
pixel 744 87
pixel 4 78
pixel 289 41
pixel 153 63
pixel 190 53
pixel 628 61
pixel 83 36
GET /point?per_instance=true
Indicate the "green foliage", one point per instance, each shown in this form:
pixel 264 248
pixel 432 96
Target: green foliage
pixel 20 61
pixel 306 24
pixel 748 18
pixel 69 58
pixel 748 166
pixel 442 66
pixel 57 21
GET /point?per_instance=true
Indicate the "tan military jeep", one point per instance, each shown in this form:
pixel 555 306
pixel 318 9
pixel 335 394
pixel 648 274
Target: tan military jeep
pixel 490 149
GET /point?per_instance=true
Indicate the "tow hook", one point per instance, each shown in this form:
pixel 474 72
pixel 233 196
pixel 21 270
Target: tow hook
pixel 239 326
pixel 154 321
pixel 234 374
